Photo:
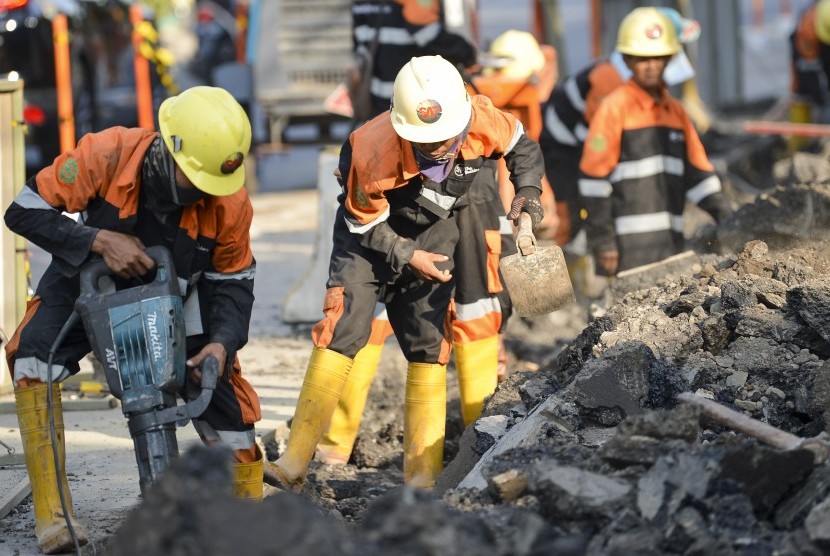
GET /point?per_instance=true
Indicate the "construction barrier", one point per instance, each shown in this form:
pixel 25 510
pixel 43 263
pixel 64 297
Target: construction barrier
pixel 13 288
pixel 304 302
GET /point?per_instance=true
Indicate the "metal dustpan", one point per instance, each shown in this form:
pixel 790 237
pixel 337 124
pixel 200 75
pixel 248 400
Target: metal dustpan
pixel 537 278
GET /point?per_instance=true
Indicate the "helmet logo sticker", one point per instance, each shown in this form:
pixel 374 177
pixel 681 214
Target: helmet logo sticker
pixel 230 164
pixel 429 111
pixel 654 32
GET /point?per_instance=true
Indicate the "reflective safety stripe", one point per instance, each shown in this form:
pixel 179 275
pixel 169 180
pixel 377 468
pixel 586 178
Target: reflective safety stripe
pixel 427 34
pixel 572 90
pixel 651 166
pixel 520 129
pixel 594 188
pixel 381 88
pixel 388 35
pixel 32 367
pixel 581 132
pixel 558 129
pixel 28 199
pixel 654 222
pixel 505 226
pixel 356 227
pixel 446 202
pixel 235 440
pixel 477 309
pixel 704 189
pixel 247 274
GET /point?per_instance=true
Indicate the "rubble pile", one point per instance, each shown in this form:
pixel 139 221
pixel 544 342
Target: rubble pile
pixel 614 466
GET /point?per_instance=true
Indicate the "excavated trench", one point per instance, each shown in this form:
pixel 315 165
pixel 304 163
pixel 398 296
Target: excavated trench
pixel 585 448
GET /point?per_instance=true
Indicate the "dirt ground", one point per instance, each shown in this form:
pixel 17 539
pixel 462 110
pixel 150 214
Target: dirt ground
pixel 583 450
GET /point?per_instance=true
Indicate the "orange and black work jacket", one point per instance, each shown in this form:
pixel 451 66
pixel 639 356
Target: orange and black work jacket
pixel 403 29
pixel 383 184
pixel 810 60
pixel 566 116
pixel 642 160
pixel 101 180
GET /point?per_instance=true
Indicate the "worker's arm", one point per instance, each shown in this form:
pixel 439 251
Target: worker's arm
pixel 367 212
pixel 229 280
pixel 71 184
pixel 703 186
pixel 600 156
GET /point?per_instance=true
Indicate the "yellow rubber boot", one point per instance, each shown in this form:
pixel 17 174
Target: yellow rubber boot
pixel 336 446
pixel 323 384
pixel 247 479
pixel 477 364
pixel 800 113
pixel 52 534
pixel 425 413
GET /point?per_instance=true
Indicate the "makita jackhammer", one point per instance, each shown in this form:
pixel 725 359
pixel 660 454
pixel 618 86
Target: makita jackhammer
pixel 138 336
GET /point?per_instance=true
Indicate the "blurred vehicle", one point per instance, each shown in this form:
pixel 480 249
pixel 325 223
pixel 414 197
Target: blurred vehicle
pixel 103 89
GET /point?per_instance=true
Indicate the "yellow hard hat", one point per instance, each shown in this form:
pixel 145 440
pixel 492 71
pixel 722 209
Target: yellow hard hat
pixel 823 21
pixel 523 51
pixel 209 135
pixel 429 101
pixel 647 32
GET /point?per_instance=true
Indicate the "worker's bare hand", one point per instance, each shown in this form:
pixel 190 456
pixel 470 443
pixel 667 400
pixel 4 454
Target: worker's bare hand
pixel 608 262
pixel 423 264
pixel 124 254
pixel 215 349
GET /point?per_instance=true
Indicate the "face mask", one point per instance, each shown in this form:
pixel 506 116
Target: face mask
pixel 186 197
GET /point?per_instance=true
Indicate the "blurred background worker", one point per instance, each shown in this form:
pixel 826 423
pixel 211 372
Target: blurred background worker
pixel 643 158
pixel 810 51
pixel 566 117
pixel 386 35
pixel 216 38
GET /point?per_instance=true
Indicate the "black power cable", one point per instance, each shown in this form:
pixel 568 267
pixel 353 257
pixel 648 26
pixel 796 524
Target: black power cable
pixel 73 320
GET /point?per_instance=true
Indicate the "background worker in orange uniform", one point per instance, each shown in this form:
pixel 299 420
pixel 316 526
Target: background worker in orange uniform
pixel 180 188
pixel 407 175
pixel 643 158
pixel 569 111
pixel 810 53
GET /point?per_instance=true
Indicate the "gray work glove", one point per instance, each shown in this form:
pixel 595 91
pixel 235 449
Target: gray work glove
pixel 527 200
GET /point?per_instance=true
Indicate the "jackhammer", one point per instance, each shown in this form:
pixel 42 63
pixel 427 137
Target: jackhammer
pixel 138 335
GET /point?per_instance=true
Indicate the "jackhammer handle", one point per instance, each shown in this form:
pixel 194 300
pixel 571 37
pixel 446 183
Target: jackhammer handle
pixel 97 268
pixel 210 373
pixel 738 421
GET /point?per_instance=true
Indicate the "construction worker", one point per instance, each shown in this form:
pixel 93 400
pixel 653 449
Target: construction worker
pixel 810 53
pixel 481 304
pixel 569 111
pixel 407 175
pixel 643 158
pixel 180 188
pixel 386 34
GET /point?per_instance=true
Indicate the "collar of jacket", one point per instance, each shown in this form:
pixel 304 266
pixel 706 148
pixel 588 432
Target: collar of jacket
pixel 644 99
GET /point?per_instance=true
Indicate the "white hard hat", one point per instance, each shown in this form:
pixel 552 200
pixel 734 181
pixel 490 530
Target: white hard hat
pixel 429 101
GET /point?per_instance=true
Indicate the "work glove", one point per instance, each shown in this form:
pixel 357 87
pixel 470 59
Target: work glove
pixel 527 200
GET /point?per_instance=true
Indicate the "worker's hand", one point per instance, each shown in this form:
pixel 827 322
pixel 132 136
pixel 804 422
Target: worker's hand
pixel 215 349
pixel 423 263
pixel 124 254
pixel 608 262
pixel 527 200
